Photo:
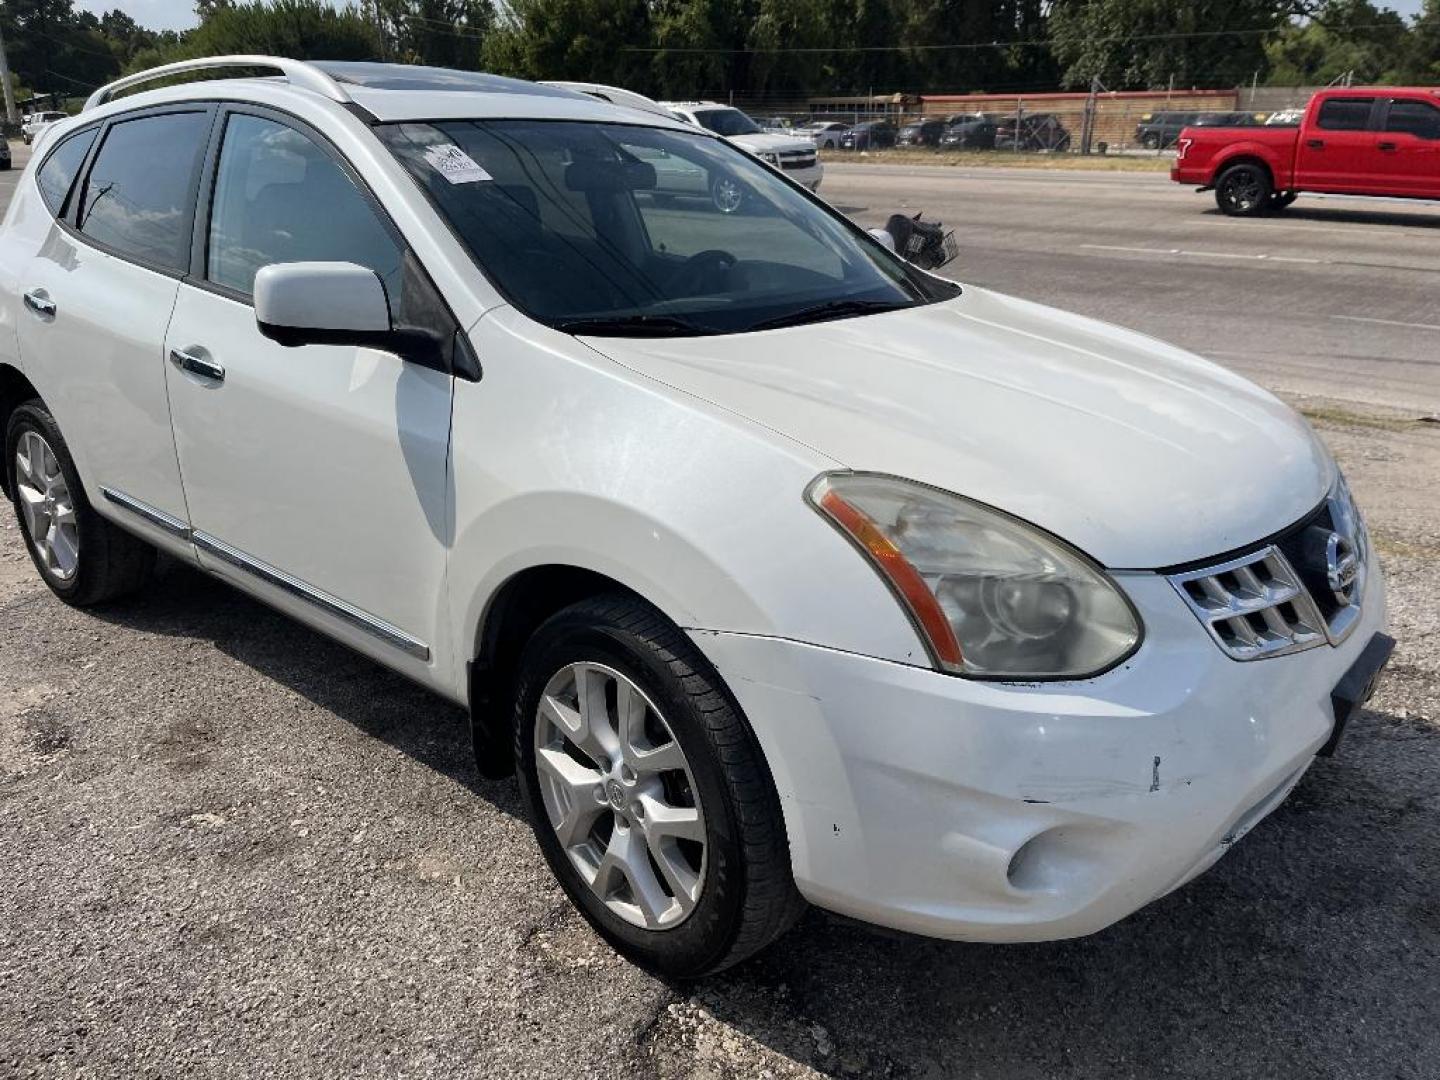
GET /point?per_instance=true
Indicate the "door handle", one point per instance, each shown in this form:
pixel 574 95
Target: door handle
pixel 1388 147
pixel 1315 144
pixel 37 301
pixel 197 365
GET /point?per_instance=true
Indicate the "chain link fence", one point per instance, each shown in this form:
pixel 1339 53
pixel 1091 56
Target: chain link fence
pixel 1044 123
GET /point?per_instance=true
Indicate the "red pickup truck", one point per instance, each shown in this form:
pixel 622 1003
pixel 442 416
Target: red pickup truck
pixel 1352 141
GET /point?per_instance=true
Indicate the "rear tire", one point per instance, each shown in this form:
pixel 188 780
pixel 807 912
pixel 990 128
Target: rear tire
pixel 1244 190
pixel 83 558
pixel 602 684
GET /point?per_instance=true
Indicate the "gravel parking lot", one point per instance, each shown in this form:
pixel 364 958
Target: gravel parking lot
pixel 230 847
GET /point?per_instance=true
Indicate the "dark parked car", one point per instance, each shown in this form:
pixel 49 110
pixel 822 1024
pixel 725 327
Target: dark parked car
pixel 921 133
pixel 1159 130
pixel 969 131
pixel 871 135
pixel 1225 119
pixel 1031 131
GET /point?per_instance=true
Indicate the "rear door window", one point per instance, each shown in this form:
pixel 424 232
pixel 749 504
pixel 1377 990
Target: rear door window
pixel 1344 114
pixel 58 173
pixel 1417 118
pixel 138 198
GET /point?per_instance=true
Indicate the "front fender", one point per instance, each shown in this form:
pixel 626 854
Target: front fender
pixel 562 456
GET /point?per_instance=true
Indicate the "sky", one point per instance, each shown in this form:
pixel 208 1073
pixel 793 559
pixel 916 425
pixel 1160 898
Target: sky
pixel 180 14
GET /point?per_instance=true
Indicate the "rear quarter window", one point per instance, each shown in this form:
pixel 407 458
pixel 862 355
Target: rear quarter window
pixel 57 174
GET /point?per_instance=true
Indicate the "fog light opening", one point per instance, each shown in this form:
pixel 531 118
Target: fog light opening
pixel 1026 871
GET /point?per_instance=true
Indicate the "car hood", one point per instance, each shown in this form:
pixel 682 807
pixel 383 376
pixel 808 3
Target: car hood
pixel 1140 454
pixel 768 143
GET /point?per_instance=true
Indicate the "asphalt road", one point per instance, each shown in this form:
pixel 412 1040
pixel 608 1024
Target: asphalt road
pixel 1334 297
pixel 231 848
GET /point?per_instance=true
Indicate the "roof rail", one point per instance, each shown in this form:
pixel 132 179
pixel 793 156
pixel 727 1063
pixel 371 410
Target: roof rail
pixel 297 71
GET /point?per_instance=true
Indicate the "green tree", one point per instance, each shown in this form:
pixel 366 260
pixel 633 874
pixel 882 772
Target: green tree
pixel 701 45
pixel 446 33
pixel 1143 44
pixel 1343 36
pixel 1421 63
pixel 303 29
pixel 586 40
pixel 56 49
pixel 788 25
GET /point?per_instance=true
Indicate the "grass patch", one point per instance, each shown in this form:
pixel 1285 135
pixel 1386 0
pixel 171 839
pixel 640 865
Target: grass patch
pixel 1333 416
pixel 1397 548
pixel 1004 159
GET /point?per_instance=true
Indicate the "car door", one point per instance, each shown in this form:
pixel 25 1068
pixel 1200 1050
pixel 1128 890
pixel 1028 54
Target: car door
pixel 315 475
pixel 98 295
pixel 1337 150
pixel 1409 148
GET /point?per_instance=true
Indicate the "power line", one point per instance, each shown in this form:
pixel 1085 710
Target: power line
pixel 1029 43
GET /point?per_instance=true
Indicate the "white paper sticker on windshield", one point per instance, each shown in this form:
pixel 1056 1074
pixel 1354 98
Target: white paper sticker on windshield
pixel 454 164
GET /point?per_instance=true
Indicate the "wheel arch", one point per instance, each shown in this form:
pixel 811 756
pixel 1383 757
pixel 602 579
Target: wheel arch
pixel 15 388
pixel 1243 155
pixel 514 612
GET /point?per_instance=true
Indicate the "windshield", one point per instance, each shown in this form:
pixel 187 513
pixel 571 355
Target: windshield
pixel 620 229
pixel 726 122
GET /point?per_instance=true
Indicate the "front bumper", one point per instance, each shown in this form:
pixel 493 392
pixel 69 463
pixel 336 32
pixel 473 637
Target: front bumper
pixel 810 177
pixel 999 812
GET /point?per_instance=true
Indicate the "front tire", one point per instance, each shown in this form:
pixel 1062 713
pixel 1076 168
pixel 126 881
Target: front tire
pixel 1243 190
pixel 649 797
pixel 83 558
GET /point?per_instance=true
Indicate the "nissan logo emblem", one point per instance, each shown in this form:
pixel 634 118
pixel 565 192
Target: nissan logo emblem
pixel 1342 567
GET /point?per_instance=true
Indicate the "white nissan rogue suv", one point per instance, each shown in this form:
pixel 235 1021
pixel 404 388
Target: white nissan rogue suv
pixel 778 569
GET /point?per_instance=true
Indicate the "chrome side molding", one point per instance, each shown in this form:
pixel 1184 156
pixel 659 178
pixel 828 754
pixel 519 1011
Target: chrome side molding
pixel 331 605
pixel 159 518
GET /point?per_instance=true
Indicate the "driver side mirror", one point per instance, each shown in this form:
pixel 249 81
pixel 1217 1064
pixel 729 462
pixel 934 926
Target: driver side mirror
pixel 333 303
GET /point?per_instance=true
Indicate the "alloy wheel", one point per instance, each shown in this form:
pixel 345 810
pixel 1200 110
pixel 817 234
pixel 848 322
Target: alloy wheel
pixel 727 195
pixel 47 506
pixel 620 796
pixel 1243 189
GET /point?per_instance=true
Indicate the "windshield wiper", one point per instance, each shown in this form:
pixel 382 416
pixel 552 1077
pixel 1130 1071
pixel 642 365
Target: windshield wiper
pixel 831 309
pixel 634 326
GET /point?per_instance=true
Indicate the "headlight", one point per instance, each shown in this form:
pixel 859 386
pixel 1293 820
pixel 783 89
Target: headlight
pixel 991 596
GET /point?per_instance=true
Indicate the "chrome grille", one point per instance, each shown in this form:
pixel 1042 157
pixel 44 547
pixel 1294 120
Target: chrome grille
pixel 1304 588
pixel 1254 606
pixel 797 159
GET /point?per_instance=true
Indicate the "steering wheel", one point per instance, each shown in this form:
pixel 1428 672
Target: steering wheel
pixel 694 275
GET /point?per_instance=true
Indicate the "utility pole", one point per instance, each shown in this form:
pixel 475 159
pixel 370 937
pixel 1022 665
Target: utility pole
pixel 11 116
pixel 44 14
pixel 1087 120
pixel 380 30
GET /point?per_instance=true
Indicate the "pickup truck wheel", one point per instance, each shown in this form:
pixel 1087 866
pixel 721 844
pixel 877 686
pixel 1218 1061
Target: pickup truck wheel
pixel 1243 190
pixel 82 557
pixel 649 797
